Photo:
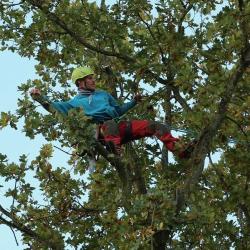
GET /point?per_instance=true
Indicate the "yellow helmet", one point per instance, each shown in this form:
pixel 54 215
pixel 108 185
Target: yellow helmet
pixel 81 72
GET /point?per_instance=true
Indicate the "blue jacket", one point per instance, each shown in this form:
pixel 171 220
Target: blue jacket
pixel 99 105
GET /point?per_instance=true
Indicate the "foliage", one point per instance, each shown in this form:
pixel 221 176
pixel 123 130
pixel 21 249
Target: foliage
pixel 198 52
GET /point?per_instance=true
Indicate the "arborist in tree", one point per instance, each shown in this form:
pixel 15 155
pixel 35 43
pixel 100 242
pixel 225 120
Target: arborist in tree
pixel 105 111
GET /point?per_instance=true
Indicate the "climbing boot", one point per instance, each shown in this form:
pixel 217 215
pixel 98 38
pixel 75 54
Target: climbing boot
pixel 187 150
pixel 113 148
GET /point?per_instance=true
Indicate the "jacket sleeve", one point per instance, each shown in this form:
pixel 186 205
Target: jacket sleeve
pixel 44 101
pixel 62 107
pixel 121 109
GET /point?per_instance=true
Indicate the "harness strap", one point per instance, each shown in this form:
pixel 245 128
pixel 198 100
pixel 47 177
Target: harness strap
pixel 100 133
pixel 128 130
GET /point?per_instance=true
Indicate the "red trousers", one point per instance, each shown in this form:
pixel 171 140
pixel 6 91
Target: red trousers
pixel 123 132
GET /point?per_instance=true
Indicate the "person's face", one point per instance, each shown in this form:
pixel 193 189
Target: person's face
pixel 87 82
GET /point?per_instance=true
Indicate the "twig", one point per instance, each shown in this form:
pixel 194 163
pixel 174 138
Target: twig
pixel 14 236
pixel 80 39
pixel 64 151
pixel 187 9
pixel 232 120
pixel 14 196
pixel 154 38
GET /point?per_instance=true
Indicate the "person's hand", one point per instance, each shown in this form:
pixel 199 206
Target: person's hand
pixel 35 93
pixel 138 98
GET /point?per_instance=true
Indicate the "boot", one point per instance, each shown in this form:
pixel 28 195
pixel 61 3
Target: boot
pixel 113 148
pixel 187 150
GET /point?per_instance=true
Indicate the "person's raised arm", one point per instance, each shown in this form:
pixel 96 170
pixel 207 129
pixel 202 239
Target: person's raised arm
pixel 62 107
pixel 122 109
pixel 44 101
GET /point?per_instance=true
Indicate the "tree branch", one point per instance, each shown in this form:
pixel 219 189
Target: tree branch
pixel 27 231
pixel 168 122
pixel 55 19
pixel 239 126
pixel 14 235
pixel 186 10
pixel 181 100
pixel 209 132
pixel 242 206
pixel 121 169
pixel 138 176
pixel 154 38
pixel 241 4
pixel 170 84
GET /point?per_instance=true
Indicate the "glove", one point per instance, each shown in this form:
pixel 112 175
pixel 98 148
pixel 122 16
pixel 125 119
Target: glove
pixel 35 93
pixel 138 98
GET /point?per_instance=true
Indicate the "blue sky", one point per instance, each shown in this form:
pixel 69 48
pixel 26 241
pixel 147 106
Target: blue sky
pixel 15 70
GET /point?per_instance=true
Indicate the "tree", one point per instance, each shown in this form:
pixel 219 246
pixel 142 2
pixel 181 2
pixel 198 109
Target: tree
pixel 199 53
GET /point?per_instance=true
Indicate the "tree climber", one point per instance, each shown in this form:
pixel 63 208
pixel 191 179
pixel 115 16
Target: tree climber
pixel 103 109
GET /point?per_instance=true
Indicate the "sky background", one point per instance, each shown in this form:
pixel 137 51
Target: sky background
pixel 15 70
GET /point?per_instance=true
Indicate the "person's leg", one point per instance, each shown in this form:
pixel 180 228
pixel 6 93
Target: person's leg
pixel 145 128
pixel 111 135
pixel 116 134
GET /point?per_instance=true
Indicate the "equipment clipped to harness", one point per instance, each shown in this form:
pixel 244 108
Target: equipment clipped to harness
pixel 92 159
pixel 91 165
pixel 127 131
pixel 125 126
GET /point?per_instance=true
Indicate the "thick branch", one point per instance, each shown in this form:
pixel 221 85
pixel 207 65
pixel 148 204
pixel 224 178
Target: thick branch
pixel 120 167
pixel 170 84
pixel 168 122
pixel 181 100
pixel 114 161
pixel 205 140
pixel 186 10
pixel 241 4
pixel 159 239
pixel 140 182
